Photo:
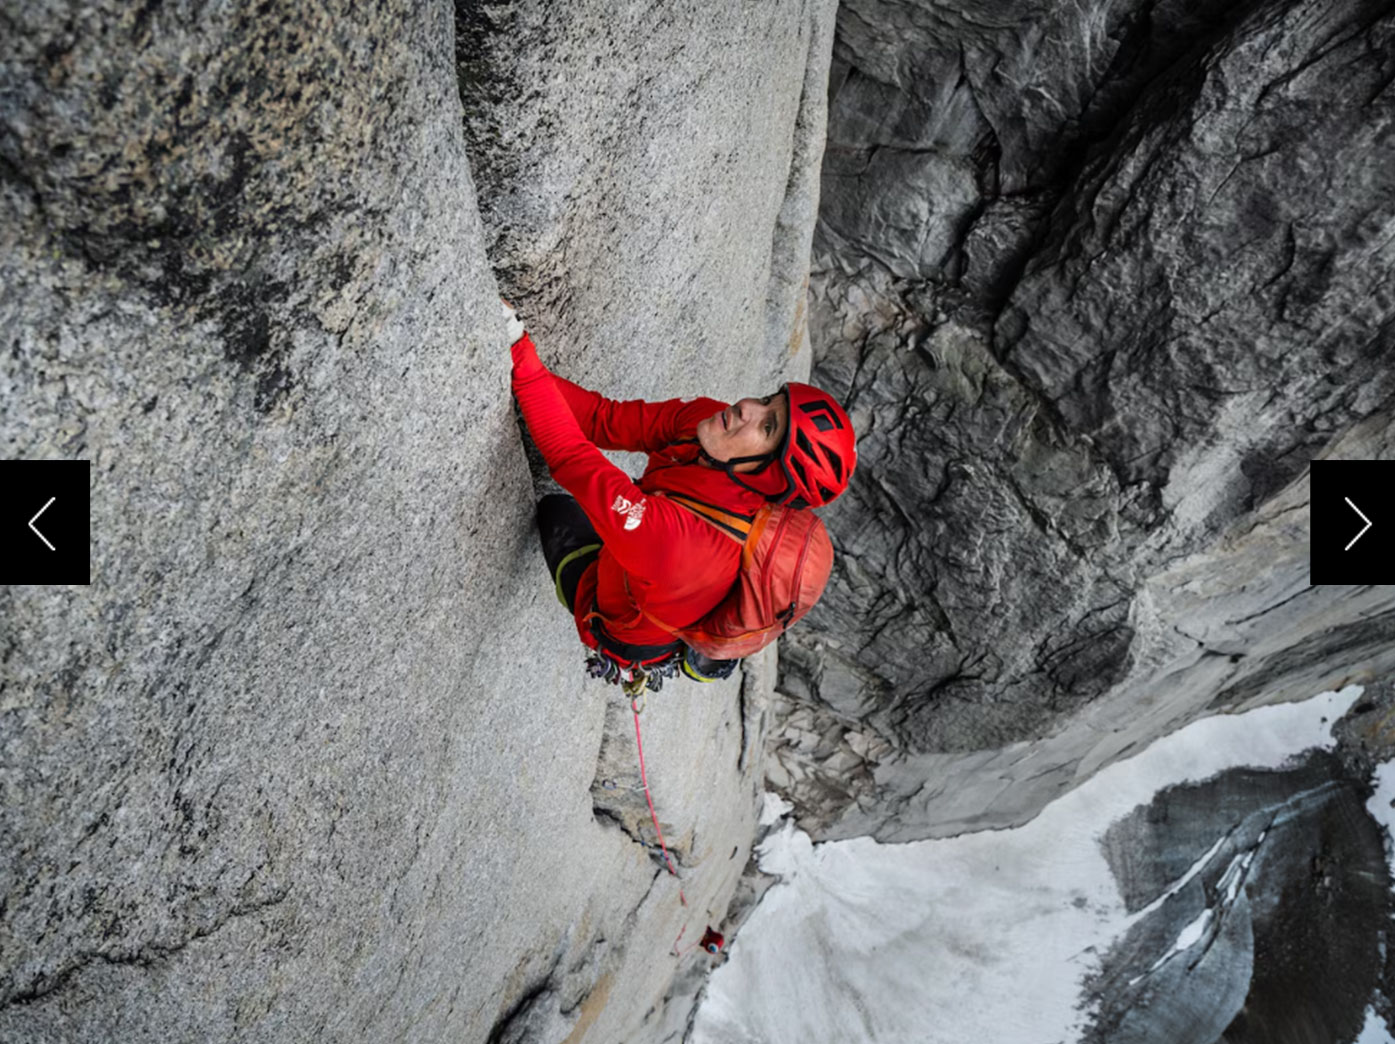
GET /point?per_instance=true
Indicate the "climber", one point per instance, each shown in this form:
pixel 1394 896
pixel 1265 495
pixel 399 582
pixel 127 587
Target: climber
pixel 621 556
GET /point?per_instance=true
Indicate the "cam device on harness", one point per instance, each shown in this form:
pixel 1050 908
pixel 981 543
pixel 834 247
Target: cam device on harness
pixel 786 559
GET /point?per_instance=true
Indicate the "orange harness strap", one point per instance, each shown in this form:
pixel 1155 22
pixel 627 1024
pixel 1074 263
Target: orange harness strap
pixel 744 529
pixel 734 525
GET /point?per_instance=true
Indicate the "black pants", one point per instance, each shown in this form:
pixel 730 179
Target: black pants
pixel 570 544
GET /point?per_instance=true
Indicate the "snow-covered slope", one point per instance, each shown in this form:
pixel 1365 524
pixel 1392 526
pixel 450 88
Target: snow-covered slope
pixel 1009 935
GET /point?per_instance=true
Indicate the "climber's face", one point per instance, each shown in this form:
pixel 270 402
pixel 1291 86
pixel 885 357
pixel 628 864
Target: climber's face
pixel 749 428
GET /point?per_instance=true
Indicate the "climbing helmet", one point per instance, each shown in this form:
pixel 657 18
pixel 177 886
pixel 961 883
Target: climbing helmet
pixel 819 451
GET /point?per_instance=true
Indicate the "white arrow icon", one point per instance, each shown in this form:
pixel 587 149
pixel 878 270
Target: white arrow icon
pixel 1363 519
pixel 52 499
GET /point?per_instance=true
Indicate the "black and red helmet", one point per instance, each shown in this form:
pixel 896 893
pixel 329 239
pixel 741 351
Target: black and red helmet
pixel 819 451
pixel 816 456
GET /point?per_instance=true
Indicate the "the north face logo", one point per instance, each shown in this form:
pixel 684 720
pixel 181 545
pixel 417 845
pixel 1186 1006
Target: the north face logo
pixel 634 513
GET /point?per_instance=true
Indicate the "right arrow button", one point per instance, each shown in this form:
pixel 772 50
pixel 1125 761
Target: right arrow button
pixel 1350 510
pixel 1363 528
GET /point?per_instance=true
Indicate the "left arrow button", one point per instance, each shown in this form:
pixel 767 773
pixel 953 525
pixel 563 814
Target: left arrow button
pixel 36 528
pixel 45 525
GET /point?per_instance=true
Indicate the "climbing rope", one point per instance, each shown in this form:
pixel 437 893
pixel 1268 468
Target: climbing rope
pixel 644 778
pixel 676 952
pixel 711 940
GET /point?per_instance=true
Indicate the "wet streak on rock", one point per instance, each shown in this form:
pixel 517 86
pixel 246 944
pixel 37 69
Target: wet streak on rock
pixel 1293 957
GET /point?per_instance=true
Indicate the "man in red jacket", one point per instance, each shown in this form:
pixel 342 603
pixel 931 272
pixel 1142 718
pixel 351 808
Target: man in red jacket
pixel 621 554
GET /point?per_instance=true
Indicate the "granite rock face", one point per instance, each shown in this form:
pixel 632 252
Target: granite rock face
pixel 1096 282
pixel 312 759
pixel 649 196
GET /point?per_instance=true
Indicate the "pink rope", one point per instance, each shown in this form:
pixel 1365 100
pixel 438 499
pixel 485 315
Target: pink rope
pixel 644 778
pixel 674 950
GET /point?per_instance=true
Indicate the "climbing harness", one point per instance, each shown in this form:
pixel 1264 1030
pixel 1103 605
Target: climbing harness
pixel 633 678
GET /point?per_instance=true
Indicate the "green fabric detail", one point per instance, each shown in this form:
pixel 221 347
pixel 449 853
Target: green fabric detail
pixel 688 670
pixel 557 577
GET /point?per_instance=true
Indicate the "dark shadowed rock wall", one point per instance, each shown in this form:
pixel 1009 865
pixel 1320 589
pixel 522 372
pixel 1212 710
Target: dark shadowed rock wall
pixel 1097 281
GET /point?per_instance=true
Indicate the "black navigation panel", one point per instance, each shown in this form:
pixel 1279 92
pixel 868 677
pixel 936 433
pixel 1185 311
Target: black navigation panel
pixel 44 522
pixel 1353 522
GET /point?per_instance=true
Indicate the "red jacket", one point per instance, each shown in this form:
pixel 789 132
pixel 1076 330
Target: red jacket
pixel 656 554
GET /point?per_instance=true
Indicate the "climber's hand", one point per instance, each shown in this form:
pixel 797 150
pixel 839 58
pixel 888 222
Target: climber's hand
pixel 526 364
pixel 514 325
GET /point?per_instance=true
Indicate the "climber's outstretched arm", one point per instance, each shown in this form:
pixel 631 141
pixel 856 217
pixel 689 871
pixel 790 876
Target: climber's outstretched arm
pixel 634 424
pixel 639 530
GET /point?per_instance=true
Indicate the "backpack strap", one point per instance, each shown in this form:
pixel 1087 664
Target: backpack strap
pixel 647 615
pixel 732 523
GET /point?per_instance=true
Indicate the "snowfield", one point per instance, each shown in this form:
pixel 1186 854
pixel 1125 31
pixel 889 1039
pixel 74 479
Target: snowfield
pixel 985 936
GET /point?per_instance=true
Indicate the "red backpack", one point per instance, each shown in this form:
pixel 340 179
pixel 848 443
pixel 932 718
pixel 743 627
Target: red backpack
pixel 786 557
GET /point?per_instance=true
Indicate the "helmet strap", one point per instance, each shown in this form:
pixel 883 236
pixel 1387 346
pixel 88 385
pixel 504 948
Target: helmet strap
pixel 730 466
pixel 766 459
pixel 738 477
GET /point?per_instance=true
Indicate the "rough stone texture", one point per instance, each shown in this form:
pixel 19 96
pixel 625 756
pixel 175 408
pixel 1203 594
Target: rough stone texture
pixel 312 759
pixel 1294 876
pixel 1236 626
pixel 1096 281
pixel 627 183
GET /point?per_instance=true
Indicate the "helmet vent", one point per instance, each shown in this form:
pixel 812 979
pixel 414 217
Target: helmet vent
pixel 836 461
pixel 821 413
